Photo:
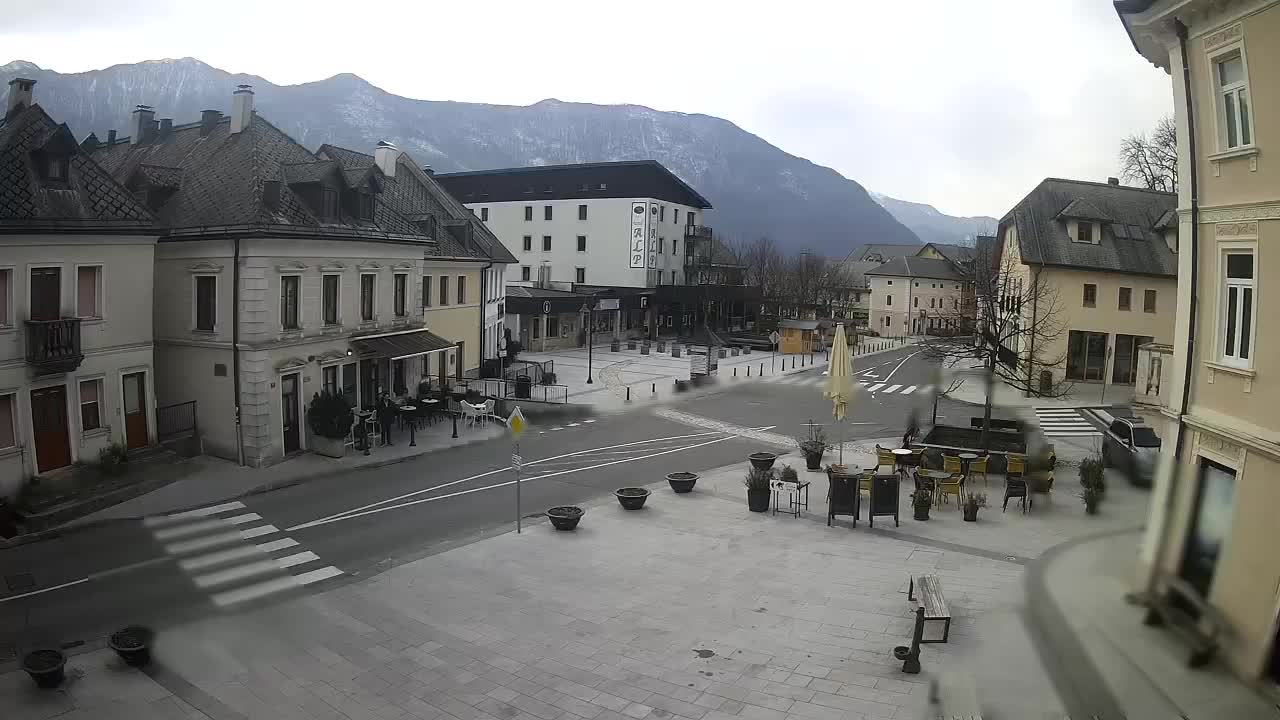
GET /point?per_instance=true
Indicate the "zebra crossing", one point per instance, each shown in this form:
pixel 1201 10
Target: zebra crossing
pixel 1065 422
pixel 234 555
pixel 810 380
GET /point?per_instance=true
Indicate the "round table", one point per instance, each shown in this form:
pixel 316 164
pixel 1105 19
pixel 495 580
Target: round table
pixel 965 459
pixel 933 476
pixel 900 456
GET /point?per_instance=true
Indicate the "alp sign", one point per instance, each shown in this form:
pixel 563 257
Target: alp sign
pixel 639 233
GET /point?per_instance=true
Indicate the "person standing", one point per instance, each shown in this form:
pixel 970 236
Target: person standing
pixel 386 413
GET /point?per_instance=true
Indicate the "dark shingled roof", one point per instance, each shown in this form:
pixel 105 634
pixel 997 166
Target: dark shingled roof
pixel 1129 242
pixel 856 270
pixel 885 253
pixel 582 181
pixel 919 267
pixel 959 254
pixel 89 199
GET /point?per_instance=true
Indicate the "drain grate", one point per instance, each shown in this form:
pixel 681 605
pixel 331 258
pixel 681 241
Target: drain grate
pixel 21 582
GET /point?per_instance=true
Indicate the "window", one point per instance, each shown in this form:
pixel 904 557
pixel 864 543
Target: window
pixel 888 282
pixel 673 277
pixel 462 289
pixel 368 283
pixel 484 214
pixel 580 275
pixel 931 301
pixel 329 203
pixel 1237 309
pixel 398 384
pixel 582 243
pixel 366 205
pixel 582 212
pixel 6 285
pixel 400 289
pixel 1090 295
pixel 8 436
pixel 329 298
pixel 525 273
pixel 329 379
pixel 289 301
pixel 426 291
pixel 916 301
pixel 888 300
pixel 57 167
pixel 444 290
pixel 1126 298
pixel 206 303
pixel 528 213
pixel 673 246
pixel 546 212
pixel 1086 355
pixel 528 243
pixel 349 383
pixel 1233 106
pixel 553 326
pixel 1149 301
pixel 546 243
pixel 90 405
pixel 662 242
pixel 88 291
pixel 1084 232
pixel 675 216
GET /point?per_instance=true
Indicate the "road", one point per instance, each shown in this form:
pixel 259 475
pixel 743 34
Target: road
pixel 299 539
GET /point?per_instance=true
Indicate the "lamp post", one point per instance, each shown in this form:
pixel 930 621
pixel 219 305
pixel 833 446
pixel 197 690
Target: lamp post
pixel 589 309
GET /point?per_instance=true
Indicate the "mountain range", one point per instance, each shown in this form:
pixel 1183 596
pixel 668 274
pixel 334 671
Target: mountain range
pixel 931 225
pixel 757 189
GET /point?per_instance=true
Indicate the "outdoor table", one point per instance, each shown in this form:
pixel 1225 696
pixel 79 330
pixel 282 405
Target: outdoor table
pixel 933 476
pixel 900 456
pixel 406 414
pixel 430 408
pixel 965 459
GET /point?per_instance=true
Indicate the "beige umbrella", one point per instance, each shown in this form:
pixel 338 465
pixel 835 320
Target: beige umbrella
pixel 840 386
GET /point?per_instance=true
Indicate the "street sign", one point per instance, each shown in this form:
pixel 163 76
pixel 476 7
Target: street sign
pixel 516 423
pixel 774 337
pixel 517 462
pixel 546 307
pixel 607 304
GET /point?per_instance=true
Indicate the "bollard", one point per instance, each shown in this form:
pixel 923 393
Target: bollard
pixel 628 393
pixel 748 371
pixel 653 388
pixel 761 373
pixel 735 372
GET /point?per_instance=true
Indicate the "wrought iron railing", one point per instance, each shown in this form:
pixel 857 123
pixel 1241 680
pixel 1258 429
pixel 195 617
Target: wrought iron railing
pixel 53 346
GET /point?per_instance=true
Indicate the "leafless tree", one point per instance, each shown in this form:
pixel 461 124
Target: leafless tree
pixel 1016 322
pixel 1152 161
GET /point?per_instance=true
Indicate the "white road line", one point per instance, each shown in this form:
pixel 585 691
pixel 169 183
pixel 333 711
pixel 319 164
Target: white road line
pixel 892 388
pixel 899 366
pixel 44 590
pixel 296 559
pixel 272 586
pixel 195 528
pixel 314 576
pixel 258 531
pixel 245 518
pixel 275 545
pixel 926 388
pixel 875 387
pixel 221 557
pixel 910 389
pixel 159 520
pixel 207 542
pixel 588 421
pixel 236 574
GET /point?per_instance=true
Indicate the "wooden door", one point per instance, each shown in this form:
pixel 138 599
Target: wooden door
pixel 289 413
pixel 49 426
pixel 136 434
pixel 46 293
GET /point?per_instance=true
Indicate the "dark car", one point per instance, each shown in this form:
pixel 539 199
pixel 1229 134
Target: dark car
pixel 1131 446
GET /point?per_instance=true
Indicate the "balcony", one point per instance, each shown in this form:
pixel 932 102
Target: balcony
pixel 697 232
pixel 53 346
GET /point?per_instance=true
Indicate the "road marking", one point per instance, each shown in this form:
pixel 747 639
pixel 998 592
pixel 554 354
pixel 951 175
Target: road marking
pixel 899 367
pixel 910 389
pixel 275 585
pixel 892 388
pixel 181 531
pixel 258 531
pixel 44 590
pixel 159 520
pixel 875 387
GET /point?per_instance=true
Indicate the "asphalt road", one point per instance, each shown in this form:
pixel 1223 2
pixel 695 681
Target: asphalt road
pixel 87 583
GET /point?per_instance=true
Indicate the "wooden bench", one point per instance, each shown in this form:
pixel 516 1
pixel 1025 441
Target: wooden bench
pixel 1177 605
pixel 934 604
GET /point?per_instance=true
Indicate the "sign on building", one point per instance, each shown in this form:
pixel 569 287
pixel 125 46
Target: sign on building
pixel 639 233
pixel 607 304
pixel 653 235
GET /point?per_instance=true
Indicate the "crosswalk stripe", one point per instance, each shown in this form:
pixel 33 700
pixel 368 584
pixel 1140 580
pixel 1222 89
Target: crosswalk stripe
pixel 237 573
pixel 297 559
pixel 875 387
pixel 208 542
pixel 892 388
pixel 910 389
pixel 221 557
pixel 160 520
pixel 259 531
pixel 181 531
pixel 274 585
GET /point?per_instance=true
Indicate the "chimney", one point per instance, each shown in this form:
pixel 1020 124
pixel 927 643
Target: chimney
pixel 166 127
pixel 140 123
pixel 1113 181
pixel 111 137
pixel 241 108
pixel 428 170
pixel 19 95
pixel 208 119
pixel 385 156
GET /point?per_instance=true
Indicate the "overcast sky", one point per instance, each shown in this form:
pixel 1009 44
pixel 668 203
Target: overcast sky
pixel 961 104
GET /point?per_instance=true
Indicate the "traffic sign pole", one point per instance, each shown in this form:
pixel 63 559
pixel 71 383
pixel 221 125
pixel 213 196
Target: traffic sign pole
pixel 516 425
pixel 516 461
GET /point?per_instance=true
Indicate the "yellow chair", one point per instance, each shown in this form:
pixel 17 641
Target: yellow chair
pixel 950 486
pixel 1017 465
pixel 864 482
pixel 978 467
pixel 951 464
pixel 884 456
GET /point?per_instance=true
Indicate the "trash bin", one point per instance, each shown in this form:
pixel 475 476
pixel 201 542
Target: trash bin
pixel 524 387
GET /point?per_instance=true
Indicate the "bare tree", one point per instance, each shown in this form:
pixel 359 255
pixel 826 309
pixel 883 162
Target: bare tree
pixel 1016 319
pixel 1152 161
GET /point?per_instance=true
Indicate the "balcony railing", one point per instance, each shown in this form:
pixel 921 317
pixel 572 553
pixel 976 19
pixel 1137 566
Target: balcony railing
pixel 697 232
pixel 53 346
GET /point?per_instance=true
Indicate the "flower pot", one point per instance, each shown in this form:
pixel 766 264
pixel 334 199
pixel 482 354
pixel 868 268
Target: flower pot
pixel 758 500
pixel 565 517
pixel 132 644
pixel 746 350
pixel 644 349
pixel 675 351
pixel 631 498
pixel 631 344
pixel 1091 508
pixel 682 482
pixel 970 516
pixel 329 447
pixel 919 514
pixel 813 460
pixel 662 346
pixel 46 667
pixel 762 460
pixel 615 346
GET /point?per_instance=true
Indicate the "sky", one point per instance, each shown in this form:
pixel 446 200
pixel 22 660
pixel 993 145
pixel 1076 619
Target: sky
pixel 962 104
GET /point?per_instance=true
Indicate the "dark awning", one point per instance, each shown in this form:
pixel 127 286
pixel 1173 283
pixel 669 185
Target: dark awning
pixel 402 345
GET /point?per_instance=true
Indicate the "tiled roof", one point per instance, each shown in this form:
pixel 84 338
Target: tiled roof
pixel 856 270
pixel 1129 242
pixel 90 198
pixel 1084 210
pixel 537 292
pixel 885 253
pixel 958 254
pixel 580 181
pixel 919 267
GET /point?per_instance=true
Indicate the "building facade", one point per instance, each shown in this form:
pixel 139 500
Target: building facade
pixel 918 295
pixel 1212 520
pixel 76 254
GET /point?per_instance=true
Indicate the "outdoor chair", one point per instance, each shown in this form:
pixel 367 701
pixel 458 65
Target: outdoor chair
pixel 1015 487
pixel 978 467
pixel 950 486
pixel 884 456
pixel 1017 465
pixel 951 464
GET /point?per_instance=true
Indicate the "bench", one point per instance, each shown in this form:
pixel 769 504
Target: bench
pixel 1178 606
pixel 933 603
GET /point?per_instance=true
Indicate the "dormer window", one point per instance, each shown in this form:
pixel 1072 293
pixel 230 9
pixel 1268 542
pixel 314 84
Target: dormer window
pixel 57 167
pixel 1084 232
pixel 366 206
pixel 329 203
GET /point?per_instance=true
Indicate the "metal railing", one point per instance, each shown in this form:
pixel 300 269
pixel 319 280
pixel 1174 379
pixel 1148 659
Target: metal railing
pixel 53 346
pixel 512 390
pixel 697 232
pixel 175 421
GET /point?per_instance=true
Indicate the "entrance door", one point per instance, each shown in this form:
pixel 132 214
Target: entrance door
pixel 46 293
pixel 49 425
pixel 135 411
pixel 289 413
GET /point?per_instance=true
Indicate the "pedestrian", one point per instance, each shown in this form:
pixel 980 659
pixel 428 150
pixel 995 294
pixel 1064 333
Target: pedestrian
pixel 386 413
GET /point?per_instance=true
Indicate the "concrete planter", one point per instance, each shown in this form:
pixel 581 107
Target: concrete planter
pixel 735 352
pixel 329 447
pixel 631 344
pixel 675 351
pixel 662 346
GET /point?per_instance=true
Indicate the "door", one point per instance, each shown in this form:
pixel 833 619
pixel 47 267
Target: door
pixel 457 363
pixel 1215 499
pixel 289 413
pixel 49 426
pixel 135 411
pixel 46 293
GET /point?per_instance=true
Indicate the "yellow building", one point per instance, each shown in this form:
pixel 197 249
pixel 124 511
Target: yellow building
pixel 799 336
pixel 1213 509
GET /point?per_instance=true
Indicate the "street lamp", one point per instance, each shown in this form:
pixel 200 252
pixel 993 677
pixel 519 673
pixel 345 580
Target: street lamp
pixel 590 310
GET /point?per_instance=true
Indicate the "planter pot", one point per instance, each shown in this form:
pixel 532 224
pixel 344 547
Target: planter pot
pixel 631 344
pixel 758 500
pixel 662 346
pixel 614 346
pixel 631 498
pixel 132 644
pixel 813 460
pixel 723 353
pixel 46 667
pixel 565 517
pixel 682 482
pixel 920 514
pixel 762 460
pixel 1091 509
pixel 675 351
pixel 970 516
pixel 746 350
pixel 329 447
pixel 644 350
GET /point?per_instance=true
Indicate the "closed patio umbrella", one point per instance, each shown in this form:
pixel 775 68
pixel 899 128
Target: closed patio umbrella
pixel 839 388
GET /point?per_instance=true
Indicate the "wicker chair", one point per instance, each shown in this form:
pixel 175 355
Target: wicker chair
pixel 978 467
pixel 950 486
pixel 885 456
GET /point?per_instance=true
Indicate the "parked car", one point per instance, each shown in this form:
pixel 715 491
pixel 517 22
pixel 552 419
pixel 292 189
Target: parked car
pixel 1132 446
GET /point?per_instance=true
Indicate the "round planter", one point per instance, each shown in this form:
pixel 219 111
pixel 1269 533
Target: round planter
pixel 46 667
pixel 565 517
pixel 758 500
pixel 813 460
pixel 920 514
pixel 762 460
pixel 1091 509
pixel 682 482
pixel 132 644
pixel 970 516
pixel 631 498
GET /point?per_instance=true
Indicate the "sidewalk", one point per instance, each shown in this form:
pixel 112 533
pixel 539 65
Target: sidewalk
pixel 973 390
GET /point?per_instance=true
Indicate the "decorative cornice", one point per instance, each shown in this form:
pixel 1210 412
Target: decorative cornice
pixel 204 266
pixel 404 265
pixel 291 363
pixel 1239 213
pixel 1237 230
pixel 1225 36
pixel 332 266
pixel 292 266
pixel 370 266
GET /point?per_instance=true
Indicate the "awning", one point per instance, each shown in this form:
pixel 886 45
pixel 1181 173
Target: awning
pixel 402 345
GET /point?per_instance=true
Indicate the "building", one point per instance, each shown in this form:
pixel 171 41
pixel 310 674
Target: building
pixel 76 255
pixel 919 295
pixel 282 272
pixel 881 253
pixel 852 301
pixel 1212 519
pixel 1102 259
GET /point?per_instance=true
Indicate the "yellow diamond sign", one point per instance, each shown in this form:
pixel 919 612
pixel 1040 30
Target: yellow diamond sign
pixel 516 423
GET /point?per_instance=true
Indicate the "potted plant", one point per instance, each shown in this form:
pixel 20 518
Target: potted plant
pixel 614 346
pixel 762 460
pixel 972 502
pixel 132 644
pixel 662 346
pixel 330 419
pixel 631 344
pixel 813 445
pixel 789 474
pixel 682 482
pixel 1092 498
pixel 757 482
pixel 565 517
pixel 45 666
pixel 631 498
pixel 921 501
pixel 111 459
pixel 1093 473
